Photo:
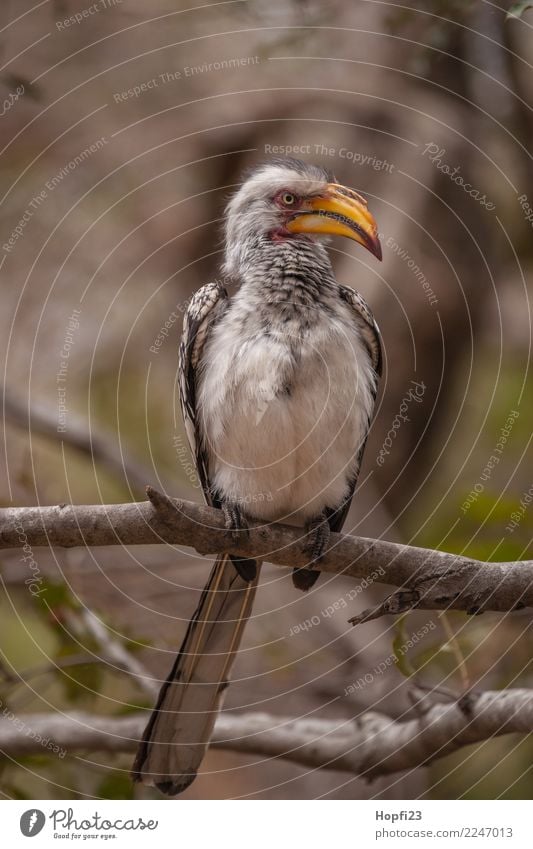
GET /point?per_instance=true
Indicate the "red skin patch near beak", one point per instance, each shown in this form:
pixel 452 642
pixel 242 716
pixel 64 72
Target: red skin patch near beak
pixel 280 234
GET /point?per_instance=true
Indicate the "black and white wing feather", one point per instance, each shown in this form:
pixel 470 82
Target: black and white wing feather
pixel 206 307
pixel 367 325
pixel 372 339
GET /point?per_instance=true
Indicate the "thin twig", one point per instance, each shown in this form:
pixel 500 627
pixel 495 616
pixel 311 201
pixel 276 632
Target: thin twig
pixel 113 652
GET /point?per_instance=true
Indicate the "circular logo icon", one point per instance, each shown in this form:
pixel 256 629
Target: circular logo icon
pixel 32 822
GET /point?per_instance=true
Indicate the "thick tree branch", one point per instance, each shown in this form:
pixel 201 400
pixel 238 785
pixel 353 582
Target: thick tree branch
pixel 432 580
pixel 369 746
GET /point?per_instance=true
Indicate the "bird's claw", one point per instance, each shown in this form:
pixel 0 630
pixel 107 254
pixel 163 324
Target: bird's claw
pixel 317 538
pixel 237 525
pixel 235 521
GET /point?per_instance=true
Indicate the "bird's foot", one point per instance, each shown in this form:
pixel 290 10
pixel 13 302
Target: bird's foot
pixel 237 526
pixel 318 533
pixel 235 521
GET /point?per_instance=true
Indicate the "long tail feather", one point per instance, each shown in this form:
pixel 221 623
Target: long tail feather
pixel 180 727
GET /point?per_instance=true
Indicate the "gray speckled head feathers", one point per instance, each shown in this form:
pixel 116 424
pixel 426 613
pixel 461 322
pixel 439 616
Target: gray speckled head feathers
pixel 251 213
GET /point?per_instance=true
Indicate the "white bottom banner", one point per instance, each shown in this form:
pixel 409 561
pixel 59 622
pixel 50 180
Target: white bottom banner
pixel 259 823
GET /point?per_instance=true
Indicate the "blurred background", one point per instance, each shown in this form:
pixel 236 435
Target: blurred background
pixel 124 129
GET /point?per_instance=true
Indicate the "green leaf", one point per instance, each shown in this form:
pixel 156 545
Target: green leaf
pixel 437 654
pixel 518 10
pixel 398 643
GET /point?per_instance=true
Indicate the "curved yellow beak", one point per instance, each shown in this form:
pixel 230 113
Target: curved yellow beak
pixel 338 212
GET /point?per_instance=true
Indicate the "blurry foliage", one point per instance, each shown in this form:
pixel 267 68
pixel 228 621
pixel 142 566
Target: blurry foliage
pixel 476 527
pixel 44 667
pixel 518 9
pixel 117 785
pixel 402 661
pixel 476 772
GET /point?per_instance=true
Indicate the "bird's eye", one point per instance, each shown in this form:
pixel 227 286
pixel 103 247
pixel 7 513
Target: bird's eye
pixel 288 198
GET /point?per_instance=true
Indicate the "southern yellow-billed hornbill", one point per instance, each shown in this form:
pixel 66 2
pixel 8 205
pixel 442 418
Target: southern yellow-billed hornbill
pixel 277 385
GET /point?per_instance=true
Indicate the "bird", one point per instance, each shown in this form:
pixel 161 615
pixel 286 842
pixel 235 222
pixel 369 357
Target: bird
pixel 278 384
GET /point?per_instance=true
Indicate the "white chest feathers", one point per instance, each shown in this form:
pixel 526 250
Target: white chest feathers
pixel 283 418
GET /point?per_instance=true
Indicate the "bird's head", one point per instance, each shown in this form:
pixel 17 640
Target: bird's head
pixel 287 199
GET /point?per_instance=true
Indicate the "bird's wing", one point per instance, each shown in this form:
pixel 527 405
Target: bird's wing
pixel 205 308
pixel 367 325
pixel 372 339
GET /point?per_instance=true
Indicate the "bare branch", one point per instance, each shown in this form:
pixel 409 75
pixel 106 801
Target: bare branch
pixel 369 746
pixel 431 580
